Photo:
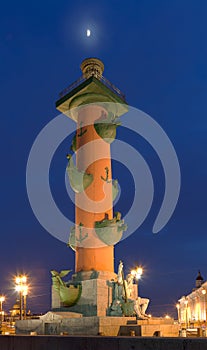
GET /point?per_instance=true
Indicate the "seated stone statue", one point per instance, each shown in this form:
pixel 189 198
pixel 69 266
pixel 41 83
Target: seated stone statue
pixel 126 292
pixel 140 307
pixel 140 304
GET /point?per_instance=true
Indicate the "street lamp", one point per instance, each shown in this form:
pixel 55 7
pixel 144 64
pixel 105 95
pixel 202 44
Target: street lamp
pixel 22 289
pixel 2 299
pixel 136 274
pixel 25 292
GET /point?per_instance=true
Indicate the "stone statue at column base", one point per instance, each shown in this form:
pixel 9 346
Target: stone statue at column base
pixel 140 307
pixel 125 300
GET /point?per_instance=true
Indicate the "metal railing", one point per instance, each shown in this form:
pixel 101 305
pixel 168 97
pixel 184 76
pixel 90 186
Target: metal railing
pixel 105 81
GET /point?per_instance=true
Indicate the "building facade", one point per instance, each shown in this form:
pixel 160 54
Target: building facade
pixel 192 308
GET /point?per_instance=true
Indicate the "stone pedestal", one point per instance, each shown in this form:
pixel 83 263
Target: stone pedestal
pixel 96 296
pixel 108 326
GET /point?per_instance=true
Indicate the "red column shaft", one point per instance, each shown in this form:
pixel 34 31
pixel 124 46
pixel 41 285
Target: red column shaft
pixel 93 156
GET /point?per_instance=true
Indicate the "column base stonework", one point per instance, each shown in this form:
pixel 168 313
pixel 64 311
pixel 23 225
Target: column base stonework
pixel 96 296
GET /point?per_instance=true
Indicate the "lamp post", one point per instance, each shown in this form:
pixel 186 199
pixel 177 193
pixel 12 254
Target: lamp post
pixel 21 287
pixel 25 292
pixel 137 273
pixel 2 299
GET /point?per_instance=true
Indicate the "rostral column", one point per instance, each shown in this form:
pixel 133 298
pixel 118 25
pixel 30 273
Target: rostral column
pixel 95 105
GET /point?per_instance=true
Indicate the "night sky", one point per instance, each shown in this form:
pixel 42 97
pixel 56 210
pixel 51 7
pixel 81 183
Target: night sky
pixel 156 53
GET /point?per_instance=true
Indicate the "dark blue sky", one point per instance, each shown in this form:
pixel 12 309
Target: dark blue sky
pixel 156 53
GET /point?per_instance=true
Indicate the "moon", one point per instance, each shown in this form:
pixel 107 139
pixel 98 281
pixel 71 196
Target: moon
pixel 88 32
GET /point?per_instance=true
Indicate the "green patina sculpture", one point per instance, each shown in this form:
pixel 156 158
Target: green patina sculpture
pixel 110 231
pixel 125 298
pixel 79 180
pixel 75 239
pixel 73 146
pixel 106 128
pixel 121 305
pixel 72 241
pixel 82 132
pixel 115 189
pixel 106 178
pixel 69 293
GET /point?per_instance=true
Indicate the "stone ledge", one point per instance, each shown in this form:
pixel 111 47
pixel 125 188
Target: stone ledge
pixel 8 342
pixel 97 275
pixel 93 325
